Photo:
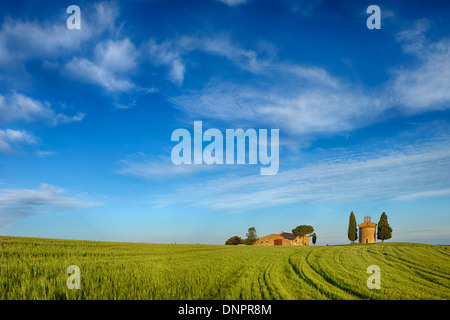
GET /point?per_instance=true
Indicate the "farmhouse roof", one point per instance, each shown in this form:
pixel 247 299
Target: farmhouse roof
pixel 287 235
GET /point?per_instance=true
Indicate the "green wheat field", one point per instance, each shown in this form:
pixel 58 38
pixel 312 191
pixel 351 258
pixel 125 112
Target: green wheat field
pixel 35 268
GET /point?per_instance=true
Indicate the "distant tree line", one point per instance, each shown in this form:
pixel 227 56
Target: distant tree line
pixel 252 237
pixel 384 232
pixel 233 241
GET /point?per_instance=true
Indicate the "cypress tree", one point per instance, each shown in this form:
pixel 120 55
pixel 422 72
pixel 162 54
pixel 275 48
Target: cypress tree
pixel 384 230
pixel 352 231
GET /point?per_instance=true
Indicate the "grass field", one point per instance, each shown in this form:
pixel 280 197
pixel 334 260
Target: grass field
pixel 32 268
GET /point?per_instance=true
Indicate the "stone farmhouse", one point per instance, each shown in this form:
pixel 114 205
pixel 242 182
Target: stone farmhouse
pixel 282 239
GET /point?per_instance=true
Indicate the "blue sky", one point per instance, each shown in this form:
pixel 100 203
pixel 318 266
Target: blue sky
pixel 86 118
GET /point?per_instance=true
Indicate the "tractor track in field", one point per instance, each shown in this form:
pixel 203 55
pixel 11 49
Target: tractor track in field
pixel 343 292
pixel 152 271
pixel 436 271
pixel 417 269
pixel 445 251
pixel 263 285
pixel 266 275
pixel 331 281
pixel 396 259
pixel 303 277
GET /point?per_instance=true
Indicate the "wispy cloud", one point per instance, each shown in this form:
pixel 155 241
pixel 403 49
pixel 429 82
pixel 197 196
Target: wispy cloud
pixel 90 72
pixel 425 85
pixel 303 8
pixel 424 194
pixel 167 54
pixel 233 3
pixel 24 40
pixel 297 110
pixel 113 61
pixel 117 56
pixel 18 107
pixel 172 53
pixel 83 54
pixel 21 203
pixel 222 46
pixel 12 139
pixel 302 99
pixel 403 174
pixel 143 166
pixel 308 100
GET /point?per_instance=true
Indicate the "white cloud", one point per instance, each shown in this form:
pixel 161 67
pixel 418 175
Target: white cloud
pixel 144 167
pixel 314 112
pixel 23 40
pixel 103 16
pixel 413 39
pixel 20 203
pixel 177 71
pixel 307 100
pixel 11 139
pixel 18 107
pixel 301 99
pixel 90 72
pixel 167 54
pixel 309 75
pixel 303 8
pixel 222 46
pixel 414 171
pixel 53 43
pixel 423 194
pixel 297 110
pixel 40 153
pixel 233 3
pixel 171 53
pixel 116 56
pixel 113 61
pixel 425 85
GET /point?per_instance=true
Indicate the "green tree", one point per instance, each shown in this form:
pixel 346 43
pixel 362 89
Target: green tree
pixel 235 241
pixel 314 238
pixel 352 230
pixel 384 230
pixel 302 230
pixel 252 237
